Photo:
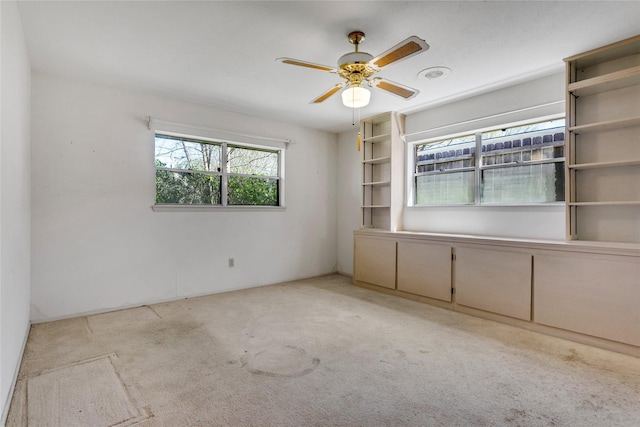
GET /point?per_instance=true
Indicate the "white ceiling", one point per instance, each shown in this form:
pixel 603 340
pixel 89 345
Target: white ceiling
pixel 223 53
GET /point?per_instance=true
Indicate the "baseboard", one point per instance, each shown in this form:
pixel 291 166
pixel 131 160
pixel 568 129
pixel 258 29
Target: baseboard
pixel 173 298
pixel 7 404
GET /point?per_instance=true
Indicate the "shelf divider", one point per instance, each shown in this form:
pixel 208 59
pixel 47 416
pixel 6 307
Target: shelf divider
pixel 605 125
pixel 606 82
pixel 596 165
pixel 615 203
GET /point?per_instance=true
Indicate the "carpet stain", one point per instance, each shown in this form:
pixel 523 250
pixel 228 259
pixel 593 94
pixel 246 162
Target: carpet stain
pixel 573 356
pixel 284 361
pixel 515 415
pixel 589 405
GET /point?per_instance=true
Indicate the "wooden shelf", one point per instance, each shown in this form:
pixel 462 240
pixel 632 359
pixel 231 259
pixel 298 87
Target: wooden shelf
pixel 605 125
pixel 619 203
pixel 375 206
pixel 376 183
pixel 376 137
pixel 606 82
pixel 377 160
pixel 597 165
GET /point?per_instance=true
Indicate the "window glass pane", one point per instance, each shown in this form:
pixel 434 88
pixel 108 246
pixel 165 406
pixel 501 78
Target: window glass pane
pixel 249 161
pixel 447 154
pixel 445 189
pixel 436 182
pixel 521 144
pixel 187 188
pixel 523 164
pixel 536 183
pixel 244 190
pixel 182 153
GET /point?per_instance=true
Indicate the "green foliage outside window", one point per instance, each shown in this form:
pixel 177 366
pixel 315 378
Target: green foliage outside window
pixel 190 172
pixel 252 191
pixel 186 188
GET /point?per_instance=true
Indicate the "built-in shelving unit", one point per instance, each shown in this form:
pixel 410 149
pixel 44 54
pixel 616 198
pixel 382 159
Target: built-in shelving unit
pixel 382 160
pixel 603 151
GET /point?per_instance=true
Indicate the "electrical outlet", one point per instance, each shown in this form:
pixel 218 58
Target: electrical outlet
pixel 231 262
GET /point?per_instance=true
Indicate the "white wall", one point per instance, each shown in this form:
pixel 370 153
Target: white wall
pixel 508 105
pixel 349 178
pixel 97 244
pixel 15 206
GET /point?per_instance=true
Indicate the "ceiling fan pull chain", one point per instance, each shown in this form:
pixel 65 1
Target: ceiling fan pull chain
pixel 353 117
pixel 358 127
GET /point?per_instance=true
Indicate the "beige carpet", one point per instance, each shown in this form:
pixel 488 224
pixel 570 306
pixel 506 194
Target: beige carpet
pixel 317 352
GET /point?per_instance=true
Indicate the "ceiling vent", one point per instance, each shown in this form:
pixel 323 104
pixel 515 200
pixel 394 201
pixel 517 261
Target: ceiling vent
pixel 433 73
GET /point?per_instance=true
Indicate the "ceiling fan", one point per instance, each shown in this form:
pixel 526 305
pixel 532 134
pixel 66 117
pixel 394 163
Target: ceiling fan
pixel 358 68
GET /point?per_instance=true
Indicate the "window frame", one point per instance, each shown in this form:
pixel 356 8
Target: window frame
pixel 224 175
pixel 411 175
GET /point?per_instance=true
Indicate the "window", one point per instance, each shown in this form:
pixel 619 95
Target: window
pixel 200 172
pixel 515 165
pixel 523 164
pixel 445 171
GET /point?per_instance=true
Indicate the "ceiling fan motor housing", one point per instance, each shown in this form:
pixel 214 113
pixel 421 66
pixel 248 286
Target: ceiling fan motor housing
pixel 354 58
pixel 355 67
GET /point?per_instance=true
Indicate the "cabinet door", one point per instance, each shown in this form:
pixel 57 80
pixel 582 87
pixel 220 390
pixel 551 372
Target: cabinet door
pixel 425 269
pixel 497 280
pixel 594 295
pixel 375 261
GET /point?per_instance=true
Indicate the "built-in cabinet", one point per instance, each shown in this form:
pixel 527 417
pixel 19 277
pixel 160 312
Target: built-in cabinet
pixel 497 280
pixel 375 261
pixel 585 292
pixel 594 294
pixel 603 151
pixel 425 269
pixel 587 288
pixel 382 164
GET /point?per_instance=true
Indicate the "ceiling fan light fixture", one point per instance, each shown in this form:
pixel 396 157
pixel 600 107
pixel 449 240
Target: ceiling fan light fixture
pixel 357 68
pixel 356 97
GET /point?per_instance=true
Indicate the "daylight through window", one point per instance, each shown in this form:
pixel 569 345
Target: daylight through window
pixel 198 172
pixel 516 165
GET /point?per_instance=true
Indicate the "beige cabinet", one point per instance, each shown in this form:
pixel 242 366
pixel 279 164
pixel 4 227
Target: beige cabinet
pixel 587 292
pixel 603 143
pixel 425 269
pixel 593 295
pixel 382 162
pixel 493 280
pixel 375 261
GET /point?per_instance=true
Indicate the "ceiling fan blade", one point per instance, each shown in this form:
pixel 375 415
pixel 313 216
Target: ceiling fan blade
pixel 403 50
pixel 404 92
pixel 307 64
pixel 328 93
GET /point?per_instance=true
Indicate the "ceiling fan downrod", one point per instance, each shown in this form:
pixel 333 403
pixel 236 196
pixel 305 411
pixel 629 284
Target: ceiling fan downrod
pixel 355 38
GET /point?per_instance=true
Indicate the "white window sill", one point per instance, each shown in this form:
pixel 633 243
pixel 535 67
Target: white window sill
pixel 208 208
pixel 492 205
